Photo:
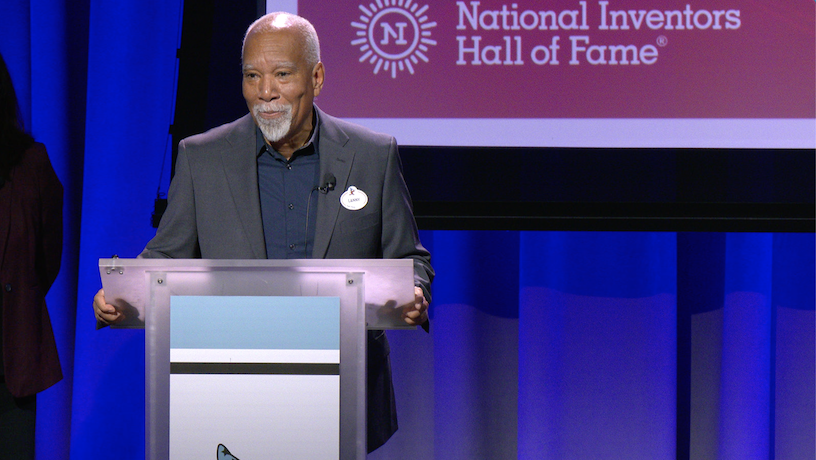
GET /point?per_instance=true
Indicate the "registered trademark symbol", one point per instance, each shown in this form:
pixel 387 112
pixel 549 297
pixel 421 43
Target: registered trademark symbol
pixel 662 40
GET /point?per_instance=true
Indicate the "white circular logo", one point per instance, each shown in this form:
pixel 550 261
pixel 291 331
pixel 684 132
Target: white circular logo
pixel 354 199
pixel 393 35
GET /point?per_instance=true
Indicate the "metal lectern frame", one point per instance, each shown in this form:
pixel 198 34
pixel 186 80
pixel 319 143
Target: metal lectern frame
pixel 370 292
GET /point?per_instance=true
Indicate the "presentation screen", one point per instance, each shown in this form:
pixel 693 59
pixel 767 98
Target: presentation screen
pixel 567 73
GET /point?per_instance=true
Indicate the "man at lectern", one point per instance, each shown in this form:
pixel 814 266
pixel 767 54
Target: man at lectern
pixel 290 181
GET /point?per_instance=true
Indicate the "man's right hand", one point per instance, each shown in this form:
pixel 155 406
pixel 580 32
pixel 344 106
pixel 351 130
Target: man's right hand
pixel 105 313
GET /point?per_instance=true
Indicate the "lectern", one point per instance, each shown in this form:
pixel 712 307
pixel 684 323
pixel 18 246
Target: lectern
pixel 260 358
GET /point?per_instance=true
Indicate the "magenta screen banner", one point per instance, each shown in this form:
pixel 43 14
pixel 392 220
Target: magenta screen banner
pixel 729 73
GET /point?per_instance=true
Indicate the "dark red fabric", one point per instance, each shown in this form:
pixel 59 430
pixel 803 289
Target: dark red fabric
pixel 30 252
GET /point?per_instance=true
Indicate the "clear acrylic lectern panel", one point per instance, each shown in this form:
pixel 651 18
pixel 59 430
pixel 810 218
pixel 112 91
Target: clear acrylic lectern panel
pixel 227 339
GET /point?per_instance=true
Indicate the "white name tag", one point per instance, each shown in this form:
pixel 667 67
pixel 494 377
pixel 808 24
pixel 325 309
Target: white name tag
pixel 354 199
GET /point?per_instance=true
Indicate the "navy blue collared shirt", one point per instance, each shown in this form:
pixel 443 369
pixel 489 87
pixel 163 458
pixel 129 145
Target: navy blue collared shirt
pixel 288 193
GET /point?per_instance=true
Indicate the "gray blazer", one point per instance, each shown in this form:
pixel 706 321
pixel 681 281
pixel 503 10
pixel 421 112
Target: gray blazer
pixel 214 212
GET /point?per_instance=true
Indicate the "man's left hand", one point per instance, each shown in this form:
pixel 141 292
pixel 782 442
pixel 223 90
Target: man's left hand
pixel 419 314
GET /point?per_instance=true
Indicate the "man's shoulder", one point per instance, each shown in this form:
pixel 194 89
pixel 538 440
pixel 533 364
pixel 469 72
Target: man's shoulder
pixel 337 127
pixel 239 129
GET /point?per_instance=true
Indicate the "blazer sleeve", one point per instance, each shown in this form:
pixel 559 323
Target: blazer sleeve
pixel 177 236
pixel 400 237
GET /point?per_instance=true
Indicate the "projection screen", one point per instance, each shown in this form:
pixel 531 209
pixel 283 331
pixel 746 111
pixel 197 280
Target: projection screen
pixel 566 73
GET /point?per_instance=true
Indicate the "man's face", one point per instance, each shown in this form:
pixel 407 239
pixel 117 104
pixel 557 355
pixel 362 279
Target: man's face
pixel 279 86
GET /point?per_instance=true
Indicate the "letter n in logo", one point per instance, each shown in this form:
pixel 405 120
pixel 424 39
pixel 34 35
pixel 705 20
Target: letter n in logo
pixel 393 35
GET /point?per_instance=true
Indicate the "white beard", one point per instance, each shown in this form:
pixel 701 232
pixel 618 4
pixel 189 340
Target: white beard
pixel 277 129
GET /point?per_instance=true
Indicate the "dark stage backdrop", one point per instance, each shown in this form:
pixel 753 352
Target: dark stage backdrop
pixel 544 344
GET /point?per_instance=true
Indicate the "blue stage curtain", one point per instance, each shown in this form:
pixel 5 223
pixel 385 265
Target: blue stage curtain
pixel 44 44
pixel 636 345
pixel 793 347
pixel 131 95
pixel 598 346
pixel 118 57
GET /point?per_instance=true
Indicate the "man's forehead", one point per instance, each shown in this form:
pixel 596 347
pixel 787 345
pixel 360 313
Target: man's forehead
pixel 283 49
pixel 287 34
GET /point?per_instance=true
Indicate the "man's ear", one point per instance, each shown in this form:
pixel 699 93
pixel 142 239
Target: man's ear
pixel 318 73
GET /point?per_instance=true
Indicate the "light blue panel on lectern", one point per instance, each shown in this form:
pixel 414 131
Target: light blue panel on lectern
pixel 259 375
pixel 255 322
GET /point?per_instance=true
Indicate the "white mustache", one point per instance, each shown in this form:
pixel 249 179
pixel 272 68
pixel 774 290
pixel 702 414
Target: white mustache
pixel 272 108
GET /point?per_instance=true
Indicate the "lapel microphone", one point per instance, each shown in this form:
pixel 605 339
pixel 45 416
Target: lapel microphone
pixel 328 183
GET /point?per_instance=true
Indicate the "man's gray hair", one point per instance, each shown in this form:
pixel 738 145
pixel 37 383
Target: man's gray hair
pixel 281 20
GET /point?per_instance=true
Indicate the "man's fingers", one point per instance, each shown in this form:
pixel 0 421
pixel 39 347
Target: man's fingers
pixel 106 308
pixel 108 317
pixel 419 313
pixel 100 305
pixel 104 311
pixel 415 317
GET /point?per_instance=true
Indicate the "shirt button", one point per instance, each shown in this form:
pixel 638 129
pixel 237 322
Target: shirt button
pixel 292 246
pixel 7 288
pixel 291 206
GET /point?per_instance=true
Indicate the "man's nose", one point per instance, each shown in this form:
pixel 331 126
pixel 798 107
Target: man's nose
pixel 267 90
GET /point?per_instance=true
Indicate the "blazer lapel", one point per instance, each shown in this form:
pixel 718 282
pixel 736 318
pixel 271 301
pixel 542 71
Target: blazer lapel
pixel 241 171
pixel 335 159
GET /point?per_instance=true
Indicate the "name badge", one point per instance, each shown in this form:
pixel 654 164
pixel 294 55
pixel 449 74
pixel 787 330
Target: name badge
pixel 354 199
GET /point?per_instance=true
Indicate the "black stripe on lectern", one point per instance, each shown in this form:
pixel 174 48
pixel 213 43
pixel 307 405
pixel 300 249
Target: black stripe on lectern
pixel 255 368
